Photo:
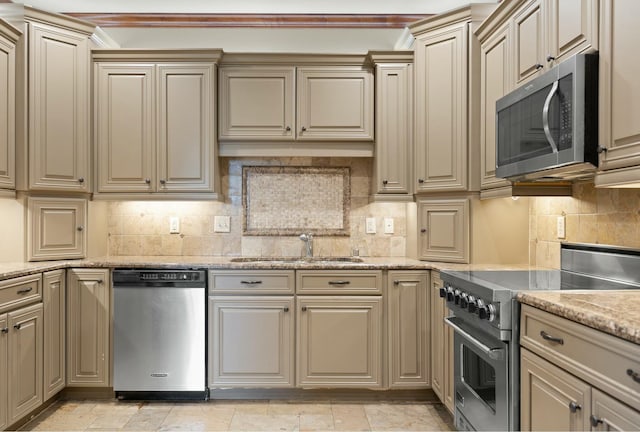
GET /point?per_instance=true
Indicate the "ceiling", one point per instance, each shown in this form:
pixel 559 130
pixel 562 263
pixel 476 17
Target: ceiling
pixel 273 37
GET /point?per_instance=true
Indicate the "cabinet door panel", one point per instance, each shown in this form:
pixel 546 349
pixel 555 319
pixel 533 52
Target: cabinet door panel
pixel 546 394
pixel 408 329
pixel 88 328
pixel 7 114
pixel 613 415
pixel 186 142
pixel 437 332
pixel 58 109
pixel 441 102
pixel 529 41
pixel 334 104
pixel 572 27
pixel 252 341
pixel 125 127
pixel 339 341
pixel 444 230
pixel 54 301
pixel 25 361
pixel 257 103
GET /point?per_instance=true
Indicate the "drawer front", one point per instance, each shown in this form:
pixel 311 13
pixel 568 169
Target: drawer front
pixel 339 282
pixel 251 281
pixel 20 291
pixel 605 361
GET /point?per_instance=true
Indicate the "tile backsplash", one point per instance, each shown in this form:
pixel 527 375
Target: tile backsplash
pixel 142 228
pixel 600 216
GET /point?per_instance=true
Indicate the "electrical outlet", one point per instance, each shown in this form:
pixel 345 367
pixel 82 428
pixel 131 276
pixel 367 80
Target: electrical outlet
pixel 222 224
pixel 561 221
pixel 370 227
pixel 174 225
pixel 388 225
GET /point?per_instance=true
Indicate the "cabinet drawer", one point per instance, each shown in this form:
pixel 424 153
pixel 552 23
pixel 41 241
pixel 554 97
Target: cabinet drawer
pixel 600 359
pixel 251 281
pixel 20 291
pixel 339 282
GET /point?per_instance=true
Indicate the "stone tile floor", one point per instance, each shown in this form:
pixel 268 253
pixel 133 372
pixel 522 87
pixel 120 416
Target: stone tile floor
pixel 242 416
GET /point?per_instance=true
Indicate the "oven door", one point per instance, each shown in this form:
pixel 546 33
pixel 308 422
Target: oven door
pixel 481 377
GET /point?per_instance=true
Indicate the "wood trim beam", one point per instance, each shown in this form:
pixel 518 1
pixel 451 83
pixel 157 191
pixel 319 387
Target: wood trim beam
pixel 249 20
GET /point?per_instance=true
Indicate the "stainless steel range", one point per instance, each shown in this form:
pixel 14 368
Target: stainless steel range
pixel 486 326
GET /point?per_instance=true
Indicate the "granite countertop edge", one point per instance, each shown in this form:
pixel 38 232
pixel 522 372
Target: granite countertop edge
pixel 607 311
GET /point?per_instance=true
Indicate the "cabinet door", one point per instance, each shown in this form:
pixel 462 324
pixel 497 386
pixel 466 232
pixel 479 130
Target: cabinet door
pixel 609 414
pixel 495 58
pixel 449 386
pixel 444 230
pixel 550 398
pixel 58 109
pixel 88 324
pixel 251 341
pixel 7 113
pixel 334 104
pixel 438 329
pixel 186 119
pixel 339 341
pixel 394 144
pixel 572 27
pixel 56 228
pixel 4 375
pixel 408 329
pixel 528 37
pixel 54 301
pixel 25 361
pixel 441 110
pixel 619 84
pixel 257 103
pixel 124 123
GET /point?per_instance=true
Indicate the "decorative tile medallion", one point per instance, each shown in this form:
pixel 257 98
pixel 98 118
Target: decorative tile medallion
pixel 288 200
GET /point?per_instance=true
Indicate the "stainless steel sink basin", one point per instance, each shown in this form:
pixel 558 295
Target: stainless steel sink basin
pixel 298 259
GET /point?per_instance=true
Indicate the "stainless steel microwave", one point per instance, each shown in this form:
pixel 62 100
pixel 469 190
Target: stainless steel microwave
pixel 548 128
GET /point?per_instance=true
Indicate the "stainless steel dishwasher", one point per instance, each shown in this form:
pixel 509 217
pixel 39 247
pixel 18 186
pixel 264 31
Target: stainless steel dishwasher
pixel 159 334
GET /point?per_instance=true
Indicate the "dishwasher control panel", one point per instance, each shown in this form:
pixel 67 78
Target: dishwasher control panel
pixel 133 277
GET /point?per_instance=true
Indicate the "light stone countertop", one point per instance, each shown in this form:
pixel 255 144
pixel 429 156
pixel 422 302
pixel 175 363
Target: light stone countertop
pixel 613 312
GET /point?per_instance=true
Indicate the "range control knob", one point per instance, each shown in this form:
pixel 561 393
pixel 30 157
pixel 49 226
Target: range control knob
pixel 487 312
pixel 464 302
pixel 456 296
pixel 480 306
pixel 471 307
pixel 450 294
pixel 443 292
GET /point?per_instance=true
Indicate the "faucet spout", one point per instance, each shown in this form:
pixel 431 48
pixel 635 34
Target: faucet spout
pixel 307 238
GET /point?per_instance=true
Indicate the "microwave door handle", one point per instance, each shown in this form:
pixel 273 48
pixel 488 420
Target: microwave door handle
pixel 545 117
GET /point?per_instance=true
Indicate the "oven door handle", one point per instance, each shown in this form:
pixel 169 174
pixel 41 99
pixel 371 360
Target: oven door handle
pixel 493 353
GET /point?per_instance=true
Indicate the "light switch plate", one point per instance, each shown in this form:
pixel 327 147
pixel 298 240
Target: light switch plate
pixel 222 224
pixel 388 225
pixel 174 225
pixel 561 221
pixel 370 227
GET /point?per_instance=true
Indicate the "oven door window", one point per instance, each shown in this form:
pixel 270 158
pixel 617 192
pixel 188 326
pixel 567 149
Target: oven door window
pixel 479 376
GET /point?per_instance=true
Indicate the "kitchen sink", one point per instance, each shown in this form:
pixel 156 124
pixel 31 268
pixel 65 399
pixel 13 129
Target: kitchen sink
pixel 297 259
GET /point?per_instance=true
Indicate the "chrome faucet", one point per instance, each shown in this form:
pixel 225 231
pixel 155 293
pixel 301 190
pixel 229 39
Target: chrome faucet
pixel 308 243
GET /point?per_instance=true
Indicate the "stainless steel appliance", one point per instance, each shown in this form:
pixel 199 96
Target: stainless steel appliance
pixel 159 334
pixel 486 326
pixel 549 126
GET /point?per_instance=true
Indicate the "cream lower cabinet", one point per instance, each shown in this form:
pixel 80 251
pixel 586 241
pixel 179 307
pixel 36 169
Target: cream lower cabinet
pixel 54 301
pixel 24 365
pixel 4 371
pixel 441 345
pixel 574 377
pixel 339 341
pixel 88 327
pixel 443 226
pixel 408 324
pixel 252 341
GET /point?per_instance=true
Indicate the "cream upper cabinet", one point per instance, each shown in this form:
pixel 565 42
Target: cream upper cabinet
pixel 58 108
pixel 155 123
pixel 528 40
pixel 348 356
pixel 54 302
pixel 619 92
pixel 408 331
pixel 88 328
pixel 334 103
pixel 257 103
pixel 443 230
pixel 8 38
pixel 572 27
pixel 56 228
pixel 495 76
pixel 441 345
pixel 393 179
